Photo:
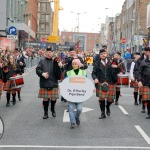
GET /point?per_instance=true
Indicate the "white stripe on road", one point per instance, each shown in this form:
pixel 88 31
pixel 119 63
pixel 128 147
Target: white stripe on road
pixel 72 147
pixel 144 135
pixel 66 116
pixel 123 110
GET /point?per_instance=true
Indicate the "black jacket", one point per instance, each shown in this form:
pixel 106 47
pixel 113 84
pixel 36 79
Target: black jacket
pixel 68 62
pixel 21 59
pixel 50 66
pixel 105 74
pixel 144 72
pixel 11 72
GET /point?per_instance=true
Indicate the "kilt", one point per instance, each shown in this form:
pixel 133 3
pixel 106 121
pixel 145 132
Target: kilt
pixel 145 92
pixel 110 95
pixel 135 85
pixel 1 86
pixel 7 86
pixel 51 94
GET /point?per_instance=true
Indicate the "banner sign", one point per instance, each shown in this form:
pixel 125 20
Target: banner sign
pixel 77 88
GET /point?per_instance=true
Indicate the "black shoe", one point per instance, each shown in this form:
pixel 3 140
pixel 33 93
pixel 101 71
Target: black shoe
pixel 45 116
pixel 108 111
pixel 148 116
pixel 65 100
pixel 78 122
pixel 102 116
pixel 19 98
pixel 135 103
pixel 53 113
pixel 8 104
pixel 72 126
pixel 116 103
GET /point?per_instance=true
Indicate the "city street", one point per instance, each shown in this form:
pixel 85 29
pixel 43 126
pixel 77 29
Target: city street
pixel 24 127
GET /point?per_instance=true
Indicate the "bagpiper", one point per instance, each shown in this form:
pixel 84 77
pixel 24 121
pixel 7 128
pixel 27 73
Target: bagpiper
pixel 105 76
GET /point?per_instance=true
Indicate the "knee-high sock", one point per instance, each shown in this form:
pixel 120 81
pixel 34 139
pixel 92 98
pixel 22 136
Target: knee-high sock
pixel 135 96
pixel 108 104
pixel 117 95
pixel 148 107
pixel 102 105
pixel 45 105
pixel 8 97
pixel 53 102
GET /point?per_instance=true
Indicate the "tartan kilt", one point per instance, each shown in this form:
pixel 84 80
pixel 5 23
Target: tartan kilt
pixel 51 94
pixel 110 95
pixel 145 92
pixel 1 86
pixel 7 86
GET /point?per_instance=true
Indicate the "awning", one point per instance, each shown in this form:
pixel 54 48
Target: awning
pixel 22 27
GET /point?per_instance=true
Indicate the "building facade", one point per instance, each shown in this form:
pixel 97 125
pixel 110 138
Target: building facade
pixel 87 41
pixel 45 18
pixel 22 15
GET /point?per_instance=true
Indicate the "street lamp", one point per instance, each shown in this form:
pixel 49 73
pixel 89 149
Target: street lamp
pixel 78 21
pixel 112 12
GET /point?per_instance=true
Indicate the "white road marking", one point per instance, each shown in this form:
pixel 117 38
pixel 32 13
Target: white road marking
pixel 73 147
pixel 123 110
pixel 66 114
pixel 144 135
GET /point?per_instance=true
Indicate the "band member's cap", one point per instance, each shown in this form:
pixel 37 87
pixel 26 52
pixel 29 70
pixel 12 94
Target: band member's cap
pixel 146 49
pixel 71 48
pixel 17 49
pixel 102 50
pixel 119 53
pixel 104 46
pixel 49 49
pixel 137 53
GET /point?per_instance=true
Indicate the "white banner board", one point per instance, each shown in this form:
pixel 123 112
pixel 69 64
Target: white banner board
pixel 77 88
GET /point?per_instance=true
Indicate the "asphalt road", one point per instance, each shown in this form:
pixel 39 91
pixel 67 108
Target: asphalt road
pixel 24 127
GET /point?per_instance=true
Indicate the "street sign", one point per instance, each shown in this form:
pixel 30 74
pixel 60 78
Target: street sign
pixel 123 45
pixel 123 40
pixel 43 40
pixel 12 30
pixel 53 39
pixel 12 37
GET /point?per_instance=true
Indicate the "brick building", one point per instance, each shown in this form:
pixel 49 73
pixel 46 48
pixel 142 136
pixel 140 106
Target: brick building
pixel 88 41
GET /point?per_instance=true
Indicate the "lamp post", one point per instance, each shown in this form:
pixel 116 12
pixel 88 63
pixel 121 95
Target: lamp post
pixel 78 14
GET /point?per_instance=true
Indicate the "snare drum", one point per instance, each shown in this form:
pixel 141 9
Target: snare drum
pixel 123 81
pixel 16 82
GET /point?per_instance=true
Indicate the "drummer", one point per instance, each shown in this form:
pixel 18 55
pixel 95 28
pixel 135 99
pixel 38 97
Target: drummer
pixel 119 62
pixel 9 70
pixel 21 62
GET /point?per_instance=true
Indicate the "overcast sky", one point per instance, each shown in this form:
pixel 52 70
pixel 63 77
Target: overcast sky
pixel 89 21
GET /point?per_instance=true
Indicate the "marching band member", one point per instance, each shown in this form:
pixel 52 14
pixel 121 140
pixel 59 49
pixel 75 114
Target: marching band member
pixel 49 72
pixel 20 61
pixel 76 64
pixel 134 79
pixel 121 65
pixel 105 76
pixel 144 81
pixel 136 73
pixel 9 70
